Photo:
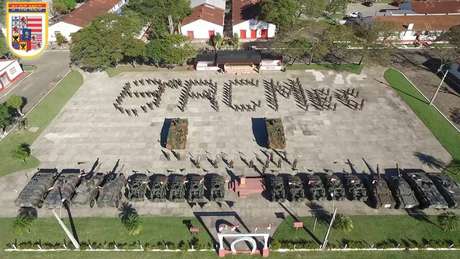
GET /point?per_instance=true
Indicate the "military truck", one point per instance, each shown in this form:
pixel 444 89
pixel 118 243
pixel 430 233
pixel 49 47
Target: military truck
pixel 36 189
pixel 275 188
pixel 137 187
pixel 314 186
pixel 111 192
pixel 177 134
pixel 215 187
pixel 449 189
pixel 176 188
pixel 334 187
pixel 354 187
pixel 157 187
pixel 194 188
pixel 380 193
pixel 425 190
pixel 275 133
pixel 63 188
pixel 294 187
pixel 405 197
pixel 88 189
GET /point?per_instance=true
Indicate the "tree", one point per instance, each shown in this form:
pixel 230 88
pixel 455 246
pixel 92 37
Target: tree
pixel 216 41
pixel 235 41
pixel 134 49
pixel 337 6
pixel 22 224
pixel 60 39
pixel 299 48
pixel 169 49
pixel 3 47
pixel 312 8
pixel 22 152
pixel 16 103
pixel 283 13
pixel 64 6
pixel 448 221
pixel 91 51
pixel 5 118
pixel 343 223
pixel 453 36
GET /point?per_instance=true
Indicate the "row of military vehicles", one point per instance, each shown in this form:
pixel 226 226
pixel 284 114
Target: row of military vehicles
pixel 407 189
pixel 53 189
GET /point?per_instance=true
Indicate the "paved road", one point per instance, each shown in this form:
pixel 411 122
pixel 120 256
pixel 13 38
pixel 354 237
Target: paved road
pixel 51 67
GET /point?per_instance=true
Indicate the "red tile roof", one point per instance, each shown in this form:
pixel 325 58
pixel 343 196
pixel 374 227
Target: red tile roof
pixel 206 12
pixel 436 6
pixel 89 11
pixel 422 22
pixel 243 10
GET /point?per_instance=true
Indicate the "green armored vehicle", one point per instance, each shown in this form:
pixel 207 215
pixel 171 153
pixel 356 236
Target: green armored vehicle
pixel 176 188
pixel 294 188
pixel 215 187
pixel 177 134
pixel 334 186
pixel 194 192
pixel 157 187
pixel 380 194
pixel 354 187
pixel 275 132
pixel 275 188
pixel 88 189
pixel 36 189
pixel 137 187
pixel 448 188
pixel 63 188
pixel 425 190
pixel 314 186
pixel 111 192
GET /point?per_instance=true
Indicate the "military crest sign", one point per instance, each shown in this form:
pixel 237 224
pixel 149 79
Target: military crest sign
pixel 27 28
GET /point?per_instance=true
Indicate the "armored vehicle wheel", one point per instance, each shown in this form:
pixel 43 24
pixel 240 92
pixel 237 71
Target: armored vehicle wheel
pixel 40 204
pixel 92 203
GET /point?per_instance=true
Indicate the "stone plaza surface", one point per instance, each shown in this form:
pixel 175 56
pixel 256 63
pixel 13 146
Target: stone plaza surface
pixel 385 132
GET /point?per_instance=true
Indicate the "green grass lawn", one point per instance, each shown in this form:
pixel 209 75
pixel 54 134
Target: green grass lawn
pixel 446 134
pixel 40 117
pixel 352 68
pixel 373 229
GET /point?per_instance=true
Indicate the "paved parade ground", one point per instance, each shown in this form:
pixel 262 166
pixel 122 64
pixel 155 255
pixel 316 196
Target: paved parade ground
pixel 384 132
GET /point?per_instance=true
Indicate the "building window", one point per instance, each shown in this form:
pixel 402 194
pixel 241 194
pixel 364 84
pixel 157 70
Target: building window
pixel 211 34
pixel 243 34
pixel 190 35
pixel 253 34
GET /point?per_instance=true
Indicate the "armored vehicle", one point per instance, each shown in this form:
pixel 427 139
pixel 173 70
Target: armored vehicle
pixel 111 192
pixel 36 189
pixel 157 187
pixel 63 188
pixel 315 187
pixel 215 187
pixel 380 193
pixel 405 197
pixel 354 187
pixel 294 188
pixel 275 132
pixel 136 187
pixel 176 188
pixel 194 192
pixel 334 186
pixel 449 189
pixel 425 190
pixel 177 134
pixel 88 189
pixel 275 188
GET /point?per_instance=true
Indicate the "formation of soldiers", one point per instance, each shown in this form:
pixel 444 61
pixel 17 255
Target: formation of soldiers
pixel 228 95
pixel 349 98
pixel 321 99
pixel 210 93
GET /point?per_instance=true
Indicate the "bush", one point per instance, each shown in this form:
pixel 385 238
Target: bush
pixel 343 223
pixel 60 39
pixel 448 221
pixel 275 244
pixel 22 224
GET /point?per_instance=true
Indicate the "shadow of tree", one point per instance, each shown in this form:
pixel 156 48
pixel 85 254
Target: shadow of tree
pixel 429 160
pixel 127 211
pixel 419 215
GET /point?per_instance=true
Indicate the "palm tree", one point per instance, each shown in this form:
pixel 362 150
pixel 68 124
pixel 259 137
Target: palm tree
pixel 343 223
pixel 22 152
pixel 448 221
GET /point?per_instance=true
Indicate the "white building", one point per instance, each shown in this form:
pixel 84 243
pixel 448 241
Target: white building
pixel 216 3
pixel 245 23
pixel 204 22
pixel 10 70
pixel 82 16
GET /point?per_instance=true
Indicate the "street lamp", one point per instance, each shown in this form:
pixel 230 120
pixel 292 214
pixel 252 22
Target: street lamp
pixel 440 84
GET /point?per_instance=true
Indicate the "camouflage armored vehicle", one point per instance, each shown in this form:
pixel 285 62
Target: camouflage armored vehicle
pixel 354 187
pixel 177 134
pixel 137 187
pixel 448 188
pixel 215 187
pixel 425 190
pixel 176 188
pixel 194 189
pixel 275 188
pixel 294 188
pixel 315 187
pixel 334 187
pixel 380 194
pixel 405 197
pixel 275 132
pixel 36 189
pixel 88 189
pixel 111 192
pixel 157 187
pixel 63 188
